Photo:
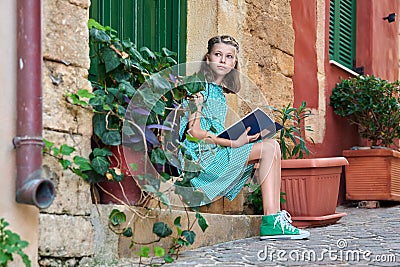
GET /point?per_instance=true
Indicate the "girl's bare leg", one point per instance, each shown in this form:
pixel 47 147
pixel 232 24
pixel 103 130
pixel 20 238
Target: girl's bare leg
pixel 268 154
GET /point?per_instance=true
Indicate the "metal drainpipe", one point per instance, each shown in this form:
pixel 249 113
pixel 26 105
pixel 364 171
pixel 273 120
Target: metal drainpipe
pixel 31 188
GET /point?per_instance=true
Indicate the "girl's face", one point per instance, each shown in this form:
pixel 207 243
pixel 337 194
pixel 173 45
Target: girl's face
pixel 221 59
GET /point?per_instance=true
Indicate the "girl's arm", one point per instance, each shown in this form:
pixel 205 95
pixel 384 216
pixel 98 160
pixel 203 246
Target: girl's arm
pixel 196 131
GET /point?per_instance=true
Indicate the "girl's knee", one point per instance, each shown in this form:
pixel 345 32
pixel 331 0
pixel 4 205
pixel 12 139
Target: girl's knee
pixel 277 147
pixel 271 145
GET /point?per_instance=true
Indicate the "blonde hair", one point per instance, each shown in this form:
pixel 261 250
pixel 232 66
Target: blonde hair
pixel 231 82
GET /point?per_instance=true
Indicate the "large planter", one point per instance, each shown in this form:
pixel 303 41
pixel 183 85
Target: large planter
pixel 312 187
pixel 128 190
pixel 372 174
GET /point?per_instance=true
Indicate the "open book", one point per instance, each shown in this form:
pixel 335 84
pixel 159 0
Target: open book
pixel 258 120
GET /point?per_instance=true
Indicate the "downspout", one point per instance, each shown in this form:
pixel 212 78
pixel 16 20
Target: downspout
pixel 31 187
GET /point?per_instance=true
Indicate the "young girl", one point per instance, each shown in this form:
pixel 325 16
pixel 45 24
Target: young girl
pixel 228 164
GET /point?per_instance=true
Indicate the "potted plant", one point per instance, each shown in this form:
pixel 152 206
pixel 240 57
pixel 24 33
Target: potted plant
pixel 310 186
pixel 373 105
pixel 134 91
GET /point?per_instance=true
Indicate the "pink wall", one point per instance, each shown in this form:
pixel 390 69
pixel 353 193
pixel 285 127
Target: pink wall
pixel 377 51
pixel 377 40
pixel 305 57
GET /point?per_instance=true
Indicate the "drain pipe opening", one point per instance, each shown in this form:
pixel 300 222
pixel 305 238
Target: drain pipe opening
pixel 36 191
pixel 31 187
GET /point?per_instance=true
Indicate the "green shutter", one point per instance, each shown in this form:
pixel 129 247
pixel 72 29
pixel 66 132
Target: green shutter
pixel 342 31
pixel 152 23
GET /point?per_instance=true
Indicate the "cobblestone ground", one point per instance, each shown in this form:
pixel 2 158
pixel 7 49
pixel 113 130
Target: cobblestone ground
pixel 365 237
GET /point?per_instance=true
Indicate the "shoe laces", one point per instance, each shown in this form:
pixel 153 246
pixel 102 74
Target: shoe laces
pixel 285 221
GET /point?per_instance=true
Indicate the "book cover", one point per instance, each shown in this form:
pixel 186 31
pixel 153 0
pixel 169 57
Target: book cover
pixel 257 120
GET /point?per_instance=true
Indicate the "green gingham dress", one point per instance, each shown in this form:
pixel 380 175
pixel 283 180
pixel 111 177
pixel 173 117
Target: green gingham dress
pixel 225 169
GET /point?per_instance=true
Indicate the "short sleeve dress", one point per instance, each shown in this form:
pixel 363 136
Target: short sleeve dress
pixel 225 169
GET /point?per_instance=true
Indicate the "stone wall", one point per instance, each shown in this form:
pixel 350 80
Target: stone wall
pixel 65 228
pixel 265 32
pixel 268 48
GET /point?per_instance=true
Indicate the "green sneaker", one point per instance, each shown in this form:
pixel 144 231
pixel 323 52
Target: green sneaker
pixel 278 226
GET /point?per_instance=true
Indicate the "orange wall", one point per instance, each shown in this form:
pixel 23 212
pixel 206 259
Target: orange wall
pixel 377 51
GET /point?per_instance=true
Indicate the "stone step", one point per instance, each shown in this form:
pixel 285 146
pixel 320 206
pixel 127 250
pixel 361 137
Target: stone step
pixel 222 228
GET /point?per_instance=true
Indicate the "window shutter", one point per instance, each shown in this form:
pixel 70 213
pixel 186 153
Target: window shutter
pixel 152 23
pixel 342 31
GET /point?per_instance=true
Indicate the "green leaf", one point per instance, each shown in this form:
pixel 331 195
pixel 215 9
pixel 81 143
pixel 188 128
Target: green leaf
pixel 121 111
pixel 159 251
pixel 48 144
pixel 160 84
pixel 168 258
pixel 152 100
pixel 126 87
pixel 201 221
pixel 116 177
pixel 144 251
pixel 149 188
pixel 128 232
pixel 158 156
pixel 190 196
pixel 99 124
pixel 83 163
pixel 92 23
pixel 117 217
pixel 64 163
pixel 100 165
pixel 133 166
pixel 164 199
pixel 190 236
pixel 178 93
pixel 179 230
pixel 168 53
pixel 195 83
pixel 66 150
pixel 25 259
pixel 282 197
pixel 84 93
pixel 99 36
pixel 177 221
pixel 165 176
pixel 90 176
pixel 98 104
pixel 191 138
pixel 56 151
pixel 110 59
pixel 161 229
pixel 112 138
pixel 103 152
pixel 76 101
pixel 147 52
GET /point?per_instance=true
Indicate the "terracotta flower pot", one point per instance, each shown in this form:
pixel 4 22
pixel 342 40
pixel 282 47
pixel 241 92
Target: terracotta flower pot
pixel 372 174
pixel 311 187
pixel 128 190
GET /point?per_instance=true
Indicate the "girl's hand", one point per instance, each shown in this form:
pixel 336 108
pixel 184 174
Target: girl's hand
pixel 245 139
